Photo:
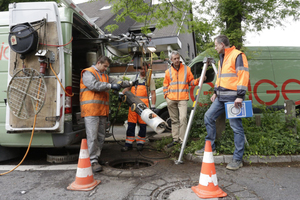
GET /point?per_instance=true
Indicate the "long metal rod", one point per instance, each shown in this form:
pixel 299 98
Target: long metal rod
pixel 186 135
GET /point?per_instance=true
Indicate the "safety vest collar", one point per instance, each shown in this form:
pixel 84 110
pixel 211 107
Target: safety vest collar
pixel 180 67
pixel 229 50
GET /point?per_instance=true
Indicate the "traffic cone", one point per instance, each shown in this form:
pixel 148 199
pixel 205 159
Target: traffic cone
pixel 208 182
pixel 84 176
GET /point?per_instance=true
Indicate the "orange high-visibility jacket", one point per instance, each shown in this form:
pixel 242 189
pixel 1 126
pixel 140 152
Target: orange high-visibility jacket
pixel 141 92
pixel 177 82
pixel 233 76
pixel 93 103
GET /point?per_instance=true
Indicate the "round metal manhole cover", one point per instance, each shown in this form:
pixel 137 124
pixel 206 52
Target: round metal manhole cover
pixel 165 191
pixel 177 189
pixel 130 164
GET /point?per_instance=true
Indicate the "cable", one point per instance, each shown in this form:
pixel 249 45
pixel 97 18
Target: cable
pixel 60 82
pixel 34 30
pixel 30 141
pixel 53 45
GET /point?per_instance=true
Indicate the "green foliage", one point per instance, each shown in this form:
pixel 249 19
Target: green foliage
pixel 160 144
pixel 234 18
pixel 116 108
pixel 159 82
pixel 121 60
pixel 162 55
pixel 198 130
pixel 121 111
pixel 273 137
pixel 155 56
pixel 230 17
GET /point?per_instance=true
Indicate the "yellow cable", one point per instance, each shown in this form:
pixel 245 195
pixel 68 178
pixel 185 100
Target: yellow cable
pixel 35 122
pixel 30 137
pixel 60 82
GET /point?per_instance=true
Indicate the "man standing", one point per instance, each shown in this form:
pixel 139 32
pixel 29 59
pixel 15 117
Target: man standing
pixel 231 86
pixel 176 84
pixel 140 90
pixel 94 103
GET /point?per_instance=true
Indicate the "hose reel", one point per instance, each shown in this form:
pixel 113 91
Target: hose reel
pixel 23 39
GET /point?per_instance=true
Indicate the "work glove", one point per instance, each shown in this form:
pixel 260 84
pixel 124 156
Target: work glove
pixel 120 98
pixel 153 108
pixel 136 82
pixel 115 86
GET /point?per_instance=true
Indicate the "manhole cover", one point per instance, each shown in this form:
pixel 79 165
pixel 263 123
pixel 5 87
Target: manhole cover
pixel 164 191
pixel 136 163
pixel 170 190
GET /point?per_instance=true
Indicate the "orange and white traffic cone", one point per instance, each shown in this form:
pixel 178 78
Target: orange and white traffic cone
pixel 84 176
pixel 208 182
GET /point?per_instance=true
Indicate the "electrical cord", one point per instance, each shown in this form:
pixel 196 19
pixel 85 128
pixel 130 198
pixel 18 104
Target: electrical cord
pixel 53 45
pixel 30 141
pixel 34 123
pixel 70 95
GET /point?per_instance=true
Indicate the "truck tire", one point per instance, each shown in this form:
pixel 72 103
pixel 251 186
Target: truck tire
pixel 166 117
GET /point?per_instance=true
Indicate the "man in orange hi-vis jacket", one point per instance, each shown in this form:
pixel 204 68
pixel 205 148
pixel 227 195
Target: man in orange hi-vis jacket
pixel 231 86
pixel 176 84
pixel 94 104
pixel 140 90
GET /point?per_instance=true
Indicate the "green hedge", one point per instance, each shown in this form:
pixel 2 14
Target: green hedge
pixel 273 137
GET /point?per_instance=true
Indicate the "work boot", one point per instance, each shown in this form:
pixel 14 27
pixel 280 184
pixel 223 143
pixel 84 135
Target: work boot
pixel 126 148
pixel 234 164
pixel 173 143
pixel 201 152
pixel 96 167
pixel 139 147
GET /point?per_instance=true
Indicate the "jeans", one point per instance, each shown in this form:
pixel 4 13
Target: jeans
pixel 215 110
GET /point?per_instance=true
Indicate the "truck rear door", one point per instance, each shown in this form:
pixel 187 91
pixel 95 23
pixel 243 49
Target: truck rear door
pixel 25 82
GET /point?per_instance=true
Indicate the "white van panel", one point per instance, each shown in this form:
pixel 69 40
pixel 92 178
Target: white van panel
pixel 20 13
pixel 32 11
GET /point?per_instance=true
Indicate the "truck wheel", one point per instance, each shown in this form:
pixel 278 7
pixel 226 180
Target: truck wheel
pixel 166 117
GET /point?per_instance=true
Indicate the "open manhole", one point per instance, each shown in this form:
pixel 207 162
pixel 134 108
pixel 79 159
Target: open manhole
pixel 134 163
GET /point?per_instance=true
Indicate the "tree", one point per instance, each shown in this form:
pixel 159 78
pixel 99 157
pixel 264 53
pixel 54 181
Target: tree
pixel 4 3
pixel 230 17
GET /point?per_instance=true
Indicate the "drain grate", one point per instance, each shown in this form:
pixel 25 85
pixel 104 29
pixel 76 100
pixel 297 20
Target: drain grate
pixel 62 159
pixel 136 163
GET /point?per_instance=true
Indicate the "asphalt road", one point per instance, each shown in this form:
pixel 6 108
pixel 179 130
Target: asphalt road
pixel 161 179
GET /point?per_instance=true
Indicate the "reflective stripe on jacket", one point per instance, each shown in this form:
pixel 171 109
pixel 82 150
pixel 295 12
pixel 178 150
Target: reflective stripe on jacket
pixel 177 82
pixel 94 103
pixel 233 76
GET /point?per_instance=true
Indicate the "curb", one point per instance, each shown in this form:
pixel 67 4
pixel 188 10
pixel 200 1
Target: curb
pixel 251 159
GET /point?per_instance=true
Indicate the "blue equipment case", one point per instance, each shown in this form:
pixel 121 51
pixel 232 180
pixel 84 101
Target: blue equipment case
pixel 244 111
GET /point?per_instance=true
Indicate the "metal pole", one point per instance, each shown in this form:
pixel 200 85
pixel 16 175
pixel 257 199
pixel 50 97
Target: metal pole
pixel 179 161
